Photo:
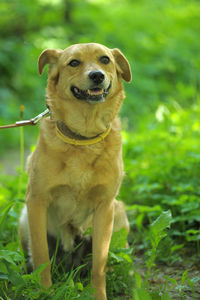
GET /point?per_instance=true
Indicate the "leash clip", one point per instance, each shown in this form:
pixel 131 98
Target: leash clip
pixel 40 116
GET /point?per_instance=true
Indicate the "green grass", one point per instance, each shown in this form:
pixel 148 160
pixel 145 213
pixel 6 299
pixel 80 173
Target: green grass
pixel 162 195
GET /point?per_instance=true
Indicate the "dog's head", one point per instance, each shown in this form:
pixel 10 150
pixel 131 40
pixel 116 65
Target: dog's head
pixel 86 72
pixel 84 85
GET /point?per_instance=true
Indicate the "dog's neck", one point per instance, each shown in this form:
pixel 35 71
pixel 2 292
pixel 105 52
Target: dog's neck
pixel 70 137
pixel 81 120
pixel 68 132
pixel 67 136
pixel 80 124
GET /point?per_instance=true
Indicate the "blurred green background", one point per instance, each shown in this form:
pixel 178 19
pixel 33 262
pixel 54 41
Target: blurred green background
pixel 159 38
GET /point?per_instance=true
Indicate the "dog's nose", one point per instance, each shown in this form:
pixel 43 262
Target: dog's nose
pixel 97 76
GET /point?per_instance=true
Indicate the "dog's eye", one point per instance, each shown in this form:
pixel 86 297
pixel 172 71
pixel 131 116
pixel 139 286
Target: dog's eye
pixel 105 60
pixel 74 63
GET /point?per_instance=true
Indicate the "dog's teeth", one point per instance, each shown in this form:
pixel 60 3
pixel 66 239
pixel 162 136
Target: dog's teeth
pixel 76 90
pixel 95 92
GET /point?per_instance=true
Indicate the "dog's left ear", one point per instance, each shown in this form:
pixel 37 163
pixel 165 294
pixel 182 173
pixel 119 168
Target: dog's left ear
pixel 49 56
pixel 123 66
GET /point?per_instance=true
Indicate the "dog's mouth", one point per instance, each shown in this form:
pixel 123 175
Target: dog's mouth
pixel 93 95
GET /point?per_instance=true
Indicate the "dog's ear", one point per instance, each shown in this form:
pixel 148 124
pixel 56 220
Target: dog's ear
pixel 49 56
pixel 123 66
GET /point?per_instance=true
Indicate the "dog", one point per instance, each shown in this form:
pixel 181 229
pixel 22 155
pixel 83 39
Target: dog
pixel 76 169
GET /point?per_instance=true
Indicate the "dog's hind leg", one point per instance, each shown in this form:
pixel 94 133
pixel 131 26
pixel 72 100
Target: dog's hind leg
pixel 24 230
pixel 120 217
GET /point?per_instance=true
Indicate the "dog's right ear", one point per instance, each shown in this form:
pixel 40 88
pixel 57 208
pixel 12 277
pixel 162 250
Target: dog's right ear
pixel 49 56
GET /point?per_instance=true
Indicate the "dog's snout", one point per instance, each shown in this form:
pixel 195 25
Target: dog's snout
pixel 97 76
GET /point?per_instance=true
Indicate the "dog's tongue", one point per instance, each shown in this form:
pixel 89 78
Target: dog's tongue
pixel 95 92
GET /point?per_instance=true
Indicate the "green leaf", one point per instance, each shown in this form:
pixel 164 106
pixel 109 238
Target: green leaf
pixel 79 286
pixel 138 279
pixel 117 258
pixel 157 228
pixel 161 223
pixel 10 256
pixel 172 280
pixel 4 277
pixel 184 276
pixel 176 247
pixel 119 239
pixel 3 268
pixel 141 294
pixel 15 278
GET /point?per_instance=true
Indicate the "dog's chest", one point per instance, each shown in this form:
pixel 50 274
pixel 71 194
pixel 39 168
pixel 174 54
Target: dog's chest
pixel 78 172
pixel 72 196
pixel 69 206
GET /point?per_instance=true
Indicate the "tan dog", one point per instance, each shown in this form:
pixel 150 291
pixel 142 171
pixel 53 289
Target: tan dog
pixel 76 169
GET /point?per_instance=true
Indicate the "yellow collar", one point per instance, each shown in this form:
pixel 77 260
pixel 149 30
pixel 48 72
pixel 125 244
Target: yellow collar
pixel 82 142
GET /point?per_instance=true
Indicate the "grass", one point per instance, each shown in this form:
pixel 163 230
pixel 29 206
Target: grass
pixel 161 191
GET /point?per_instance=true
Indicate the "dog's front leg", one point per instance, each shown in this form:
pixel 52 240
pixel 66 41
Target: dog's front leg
pixel 102 231
pixel 37 216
